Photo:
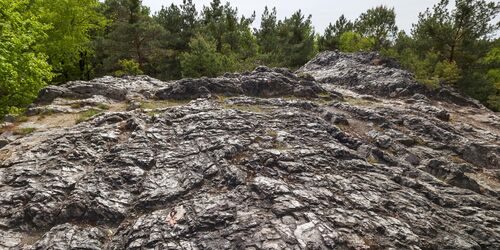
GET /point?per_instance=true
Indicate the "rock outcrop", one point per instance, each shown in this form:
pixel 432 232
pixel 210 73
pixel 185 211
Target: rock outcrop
pixel 349 153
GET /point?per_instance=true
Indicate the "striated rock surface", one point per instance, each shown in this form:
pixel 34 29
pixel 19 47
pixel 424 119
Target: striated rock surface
pixel 261 160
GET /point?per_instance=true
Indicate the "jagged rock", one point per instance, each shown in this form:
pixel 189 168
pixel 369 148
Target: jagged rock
pixel 263 82
pixel 370 73
pixel 247 163
pixel 357 71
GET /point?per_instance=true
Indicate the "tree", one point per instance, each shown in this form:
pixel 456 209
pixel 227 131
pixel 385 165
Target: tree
pixel 23 70
pixel 456 33
pixel 378 23
pixel 232 34
pixel 68 43
pixel 202 59
pixel 180 24
pixel 331 38
pixel 132 34
pixel 296 40
pixel 461 37
pixel 267 34
pixel 354 42
pixel 490 65
pixel 128 68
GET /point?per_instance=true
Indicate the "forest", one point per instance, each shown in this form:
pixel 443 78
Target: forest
pixel 46 42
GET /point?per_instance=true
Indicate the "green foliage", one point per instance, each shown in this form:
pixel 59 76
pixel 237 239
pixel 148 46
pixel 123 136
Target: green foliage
pixel 447 72
pixel 203 59
pixel 354 42
pixel 24 131
pixel 296 40
pixel 456 34
pixel 459 40
pixel 23 70
pixel 44 41
pixel 331 38
pixel 68 43
pixel 86 115
pixel 379 24
pixel 491 64
pixel 128 68
pixel 133 34
pixel 267 35
pixel 180 24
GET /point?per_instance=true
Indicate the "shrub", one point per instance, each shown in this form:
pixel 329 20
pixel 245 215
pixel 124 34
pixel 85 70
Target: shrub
pixel 129 68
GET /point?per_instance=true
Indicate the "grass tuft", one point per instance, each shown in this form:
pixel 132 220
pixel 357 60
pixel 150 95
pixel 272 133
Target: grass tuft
pixel 103 106
pixel 86 115
pixel 24 131
pixel 163 104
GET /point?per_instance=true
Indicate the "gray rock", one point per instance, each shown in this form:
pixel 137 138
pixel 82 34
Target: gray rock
pixel 258 170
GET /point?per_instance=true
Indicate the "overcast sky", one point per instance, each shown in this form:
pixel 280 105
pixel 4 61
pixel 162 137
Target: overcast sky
pixel 323 11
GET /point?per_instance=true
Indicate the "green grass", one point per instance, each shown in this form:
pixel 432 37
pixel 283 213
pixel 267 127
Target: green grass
pixel 45 113
pixel 103 106
pixel 24 131
pixel 86 115
pixel 75 105
pixel 22 118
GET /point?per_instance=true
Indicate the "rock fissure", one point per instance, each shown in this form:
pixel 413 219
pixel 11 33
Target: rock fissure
pixel 342 154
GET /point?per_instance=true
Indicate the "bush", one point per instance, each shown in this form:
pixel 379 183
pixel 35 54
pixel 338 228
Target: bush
pixel 354 42
pixel 129 68
pixel 203 59
pixel 447 72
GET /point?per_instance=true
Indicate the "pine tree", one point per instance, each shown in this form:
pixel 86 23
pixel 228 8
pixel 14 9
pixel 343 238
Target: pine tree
pixel 202 59
pixel 378 23
pixel 132 34
pixel 296 40
pixel 267 34
pixel 331 38
pixel 460 37
pixel 180 24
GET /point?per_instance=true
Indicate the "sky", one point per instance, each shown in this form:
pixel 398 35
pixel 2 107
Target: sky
pixel 323 11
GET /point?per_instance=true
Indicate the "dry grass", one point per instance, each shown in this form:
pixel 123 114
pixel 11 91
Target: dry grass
pixel 86 115
pixel 163 104
pixel 456 159
pixel 486 179
pixel 358 101
pixel 324 95
pixel 23 131
pixel 272 133
pixel 372 160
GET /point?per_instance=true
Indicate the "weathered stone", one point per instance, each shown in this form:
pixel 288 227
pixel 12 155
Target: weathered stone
pixel 263 169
